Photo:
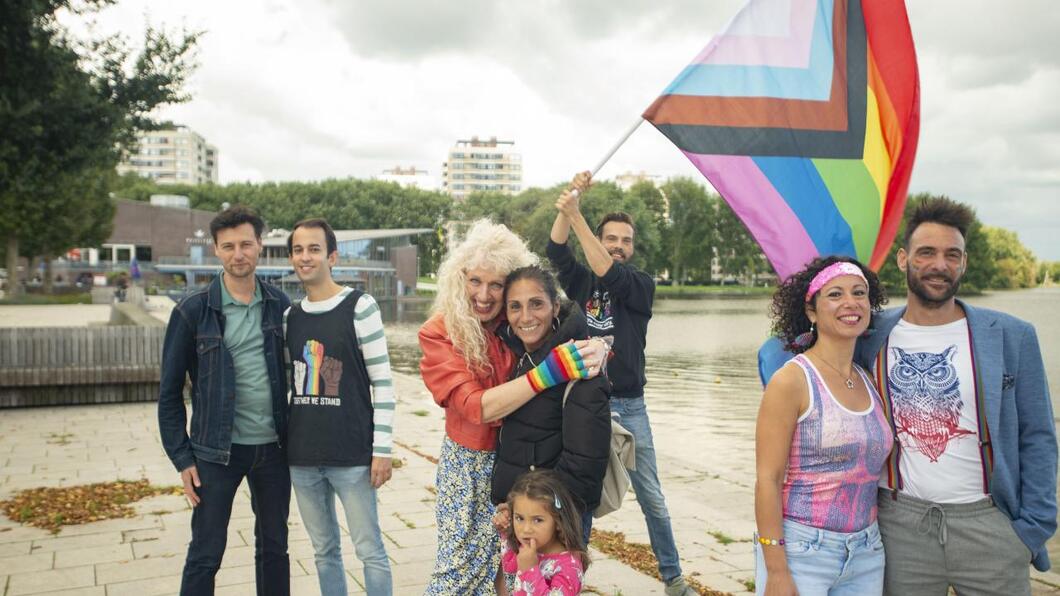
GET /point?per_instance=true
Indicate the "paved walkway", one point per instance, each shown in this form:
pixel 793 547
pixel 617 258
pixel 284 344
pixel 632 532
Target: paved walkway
pixel 710 499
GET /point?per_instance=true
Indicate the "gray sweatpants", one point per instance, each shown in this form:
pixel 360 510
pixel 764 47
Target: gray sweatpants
pixel 932 546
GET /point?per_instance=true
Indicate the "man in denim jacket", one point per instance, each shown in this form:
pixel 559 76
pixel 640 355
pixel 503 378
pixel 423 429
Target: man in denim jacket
pixel 228 338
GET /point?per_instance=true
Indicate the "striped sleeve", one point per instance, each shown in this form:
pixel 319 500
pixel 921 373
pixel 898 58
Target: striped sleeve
pixel 372 341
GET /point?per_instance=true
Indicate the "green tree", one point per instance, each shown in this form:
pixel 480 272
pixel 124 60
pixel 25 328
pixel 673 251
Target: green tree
pixel 739 255
pixel 689 238
pixel 68 110
pixel 1016 265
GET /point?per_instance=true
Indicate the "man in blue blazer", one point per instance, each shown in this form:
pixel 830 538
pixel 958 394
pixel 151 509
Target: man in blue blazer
pixel 968 496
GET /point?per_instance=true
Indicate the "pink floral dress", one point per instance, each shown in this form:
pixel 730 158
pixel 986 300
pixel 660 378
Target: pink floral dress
pixel 558 574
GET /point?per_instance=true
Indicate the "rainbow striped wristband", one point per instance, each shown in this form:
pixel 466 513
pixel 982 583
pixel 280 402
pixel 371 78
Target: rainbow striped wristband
pixel 562 364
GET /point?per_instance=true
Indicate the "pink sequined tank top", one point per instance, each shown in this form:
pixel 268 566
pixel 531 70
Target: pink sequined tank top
pixel 836 458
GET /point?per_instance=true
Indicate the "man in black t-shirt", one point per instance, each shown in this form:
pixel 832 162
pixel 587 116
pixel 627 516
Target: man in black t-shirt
pixel 617 299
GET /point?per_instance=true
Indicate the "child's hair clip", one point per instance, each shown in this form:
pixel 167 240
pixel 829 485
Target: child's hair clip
pixel 555 501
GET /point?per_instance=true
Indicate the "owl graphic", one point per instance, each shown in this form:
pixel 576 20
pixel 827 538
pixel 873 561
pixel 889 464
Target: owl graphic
pixel 925 391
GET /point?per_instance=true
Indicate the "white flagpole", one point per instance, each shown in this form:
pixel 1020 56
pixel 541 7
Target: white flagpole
pixel 610 153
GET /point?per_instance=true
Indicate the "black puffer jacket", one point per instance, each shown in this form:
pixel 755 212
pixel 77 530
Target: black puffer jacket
pixel 574 440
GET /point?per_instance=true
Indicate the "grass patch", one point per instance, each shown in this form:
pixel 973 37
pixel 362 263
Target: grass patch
pixel 725 539
pixel 44 299
pixel 59 438
pixel 396 463
pixel 52 508
pixel 749 584
pixel 420 413
pixel 640 557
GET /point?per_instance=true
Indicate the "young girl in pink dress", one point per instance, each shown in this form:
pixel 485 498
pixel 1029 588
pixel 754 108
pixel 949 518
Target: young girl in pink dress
pixel 542 543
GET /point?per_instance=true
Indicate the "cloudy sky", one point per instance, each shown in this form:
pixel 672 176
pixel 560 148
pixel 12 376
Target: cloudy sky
pixel 310 89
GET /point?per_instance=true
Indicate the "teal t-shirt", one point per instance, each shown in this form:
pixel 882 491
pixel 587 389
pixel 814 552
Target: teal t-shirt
pixel 253 424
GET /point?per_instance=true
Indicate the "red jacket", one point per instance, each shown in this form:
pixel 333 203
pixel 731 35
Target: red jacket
pixel 457 389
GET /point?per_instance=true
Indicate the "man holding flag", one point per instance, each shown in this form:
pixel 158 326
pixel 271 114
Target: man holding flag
pixel 618 301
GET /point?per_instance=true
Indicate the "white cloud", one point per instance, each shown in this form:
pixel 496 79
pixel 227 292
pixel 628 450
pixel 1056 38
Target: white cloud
pixel 326 88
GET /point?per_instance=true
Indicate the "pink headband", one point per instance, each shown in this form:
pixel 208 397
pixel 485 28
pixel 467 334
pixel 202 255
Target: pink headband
pixel 831 272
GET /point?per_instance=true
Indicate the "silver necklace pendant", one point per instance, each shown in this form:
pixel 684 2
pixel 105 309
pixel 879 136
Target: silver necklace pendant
pixel 850 384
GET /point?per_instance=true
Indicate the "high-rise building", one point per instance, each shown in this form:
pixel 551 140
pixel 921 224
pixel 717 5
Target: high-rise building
pixel 173 156
pixel 410 177
pixel 482 165
pixel 627 180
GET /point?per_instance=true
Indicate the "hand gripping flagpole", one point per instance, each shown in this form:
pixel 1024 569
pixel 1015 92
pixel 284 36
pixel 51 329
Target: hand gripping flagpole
pixel 610 153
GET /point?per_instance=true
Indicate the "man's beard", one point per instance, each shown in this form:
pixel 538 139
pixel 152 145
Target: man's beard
pixel 922 292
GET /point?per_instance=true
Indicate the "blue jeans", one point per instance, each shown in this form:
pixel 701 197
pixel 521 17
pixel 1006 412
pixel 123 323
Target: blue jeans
pixel 825 563
pixel 587 527
pixel 265 468
pixel 633 416
pixel 315 488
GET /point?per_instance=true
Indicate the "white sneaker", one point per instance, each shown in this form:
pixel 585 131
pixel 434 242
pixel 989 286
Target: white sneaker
pixel 679 587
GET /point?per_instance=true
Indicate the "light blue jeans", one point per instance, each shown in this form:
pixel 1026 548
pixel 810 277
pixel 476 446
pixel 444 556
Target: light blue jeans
pixel 825 563
pixel 633 416
pixel 315 488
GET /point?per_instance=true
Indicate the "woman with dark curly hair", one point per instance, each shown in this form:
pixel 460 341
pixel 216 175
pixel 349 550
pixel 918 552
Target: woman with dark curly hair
pixel 821 440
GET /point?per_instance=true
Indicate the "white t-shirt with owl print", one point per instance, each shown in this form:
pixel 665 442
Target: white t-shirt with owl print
pixel 932 386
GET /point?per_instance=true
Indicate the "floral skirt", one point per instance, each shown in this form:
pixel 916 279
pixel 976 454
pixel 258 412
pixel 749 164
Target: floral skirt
pixel 468 555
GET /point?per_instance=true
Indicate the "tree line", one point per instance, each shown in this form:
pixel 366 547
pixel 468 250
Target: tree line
pixel 683 231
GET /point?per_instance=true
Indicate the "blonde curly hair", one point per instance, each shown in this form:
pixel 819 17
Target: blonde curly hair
pixel 487 246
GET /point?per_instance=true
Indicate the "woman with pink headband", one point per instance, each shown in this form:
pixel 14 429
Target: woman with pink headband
pixel 821 440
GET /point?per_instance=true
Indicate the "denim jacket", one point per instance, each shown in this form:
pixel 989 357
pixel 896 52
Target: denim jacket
pixel 194 347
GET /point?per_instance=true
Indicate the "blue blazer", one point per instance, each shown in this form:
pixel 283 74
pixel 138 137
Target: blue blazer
pixel 1019 415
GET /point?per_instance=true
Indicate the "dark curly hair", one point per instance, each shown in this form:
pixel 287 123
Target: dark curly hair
pixel 788 310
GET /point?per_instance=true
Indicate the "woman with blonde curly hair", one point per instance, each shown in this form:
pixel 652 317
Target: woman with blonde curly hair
pixel 465 366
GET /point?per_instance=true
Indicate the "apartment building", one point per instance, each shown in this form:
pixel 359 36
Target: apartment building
pixel 173 156
pixel 482 165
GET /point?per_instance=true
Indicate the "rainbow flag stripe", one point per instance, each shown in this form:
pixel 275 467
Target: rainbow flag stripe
pixel 804 115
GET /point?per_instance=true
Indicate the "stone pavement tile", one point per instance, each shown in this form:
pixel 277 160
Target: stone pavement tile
pixel 406 538
pixel 726 582
pixel 421 519
pixel 393 522
pixel 162 504
pixel 706 564
pixel 13 549
pixel 92 591
pixel 126 571
pixel 412 554
pixel 48 543
pixel 612 577
pixel 113 525
pixel 28 563
pixel 155 586
pixel 411 574
pixel 167 547
pixel 177 520
pixel 93 554
pixel 50 581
